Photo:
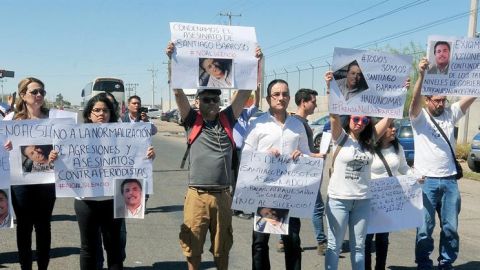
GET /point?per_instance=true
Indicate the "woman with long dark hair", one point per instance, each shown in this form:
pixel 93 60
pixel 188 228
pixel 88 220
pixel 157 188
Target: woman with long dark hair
pixel 33 204
pixel 348 201
pixel 96 214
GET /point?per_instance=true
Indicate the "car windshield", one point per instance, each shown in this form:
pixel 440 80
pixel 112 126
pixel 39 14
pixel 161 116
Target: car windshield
pixel 405 132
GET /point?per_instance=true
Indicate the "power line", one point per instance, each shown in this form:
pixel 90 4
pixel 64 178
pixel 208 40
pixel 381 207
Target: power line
pixel 349 16
pixel 296 46
pixel 393 36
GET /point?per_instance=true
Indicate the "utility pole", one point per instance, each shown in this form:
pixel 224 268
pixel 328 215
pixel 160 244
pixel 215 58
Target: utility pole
pixel 154 74
pixel 229 15
pixel 130 87
pixel 169 91
pixel 472 33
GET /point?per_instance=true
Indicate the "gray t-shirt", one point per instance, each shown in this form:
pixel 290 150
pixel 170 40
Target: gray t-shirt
pixel 309 131
pixel 211 153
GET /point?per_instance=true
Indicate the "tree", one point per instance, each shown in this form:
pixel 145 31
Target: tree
pixel 60 102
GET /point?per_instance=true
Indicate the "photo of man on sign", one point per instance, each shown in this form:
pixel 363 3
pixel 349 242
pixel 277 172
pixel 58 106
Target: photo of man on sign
pixel 350 80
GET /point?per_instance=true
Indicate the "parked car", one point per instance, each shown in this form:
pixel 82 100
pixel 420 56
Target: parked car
pixel 175 117
pixel 317 129
pixel 167 115
pixel 154 113
pixel 473 159
pixel 405 138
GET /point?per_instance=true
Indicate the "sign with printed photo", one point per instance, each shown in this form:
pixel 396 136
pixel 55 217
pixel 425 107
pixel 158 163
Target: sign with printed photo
pixel 368 83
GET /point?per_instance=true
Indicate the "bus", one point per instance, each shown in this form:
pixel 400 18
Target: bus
pixel 100 85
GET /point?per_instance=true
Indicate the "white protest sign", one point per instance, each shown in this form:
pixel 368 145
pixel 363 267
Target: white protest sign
pixel 32 143
pixel 278 182
pixel 53 113
pixel 454 68
pixel 396 204
pixel 213 56
pixel 325 142
pixel 92 156
pixel 368 83
pixel 4 164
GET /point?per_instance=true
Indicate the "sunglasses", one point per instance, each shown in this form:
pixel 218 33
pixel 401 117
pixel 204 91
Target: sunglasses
pixel 363 120
pixel 100 110
pixel 36 91
pixel 210 99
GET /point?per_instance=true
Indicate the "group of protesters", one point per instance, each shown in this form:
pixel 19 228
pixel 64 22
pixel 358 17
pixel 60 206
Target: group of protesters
pixel 363 150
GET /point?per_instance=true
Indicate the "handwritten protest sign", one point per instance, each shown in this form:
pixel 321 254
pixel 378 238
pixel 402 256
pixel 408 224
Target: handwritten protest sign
pixel 368 83
pixel 32 143
pixel 277 182
pixel 213 56
pixel 4 165
pixel 53 113
pixel 396 204
pixel 454 68
pixel 92 156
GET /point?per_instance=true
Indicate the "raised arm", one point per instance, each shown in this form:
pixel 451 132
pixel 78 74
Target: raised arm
pixel 180 97
pixel 416 105
pixel 381 127
pixel 335 121
pixel 465 103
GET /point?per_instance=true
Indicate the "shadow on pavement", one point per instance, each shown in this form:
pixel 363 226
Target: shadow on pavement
pixel 12 257
pixel 177 265
pixel 64 218
pixel 466 266
pixel 165 209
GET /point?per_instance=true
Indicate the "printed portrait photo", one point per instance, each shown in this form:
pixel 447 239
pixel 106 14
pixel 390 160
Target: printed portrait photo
pixel 129 198
pixel 271 220
pixel 350 80
pixel 6 217
pixel 439 57
pixel 215 73
pixel 35 158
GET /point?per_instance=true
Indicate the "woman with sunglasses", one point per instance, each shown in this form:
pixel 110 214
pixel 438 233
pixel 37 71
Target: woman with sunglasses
pixel 33 204
pixel 348 201
pixel 95 214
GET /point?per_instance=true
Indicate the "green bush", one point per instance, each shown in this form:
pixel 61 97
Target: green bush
pixel 462 150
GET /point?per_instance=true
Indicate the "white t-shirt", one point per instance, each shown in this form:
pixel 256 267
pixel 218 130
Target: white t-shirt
pixel 351 173
pixel 265 132
pixel 432 153
pixel 396 161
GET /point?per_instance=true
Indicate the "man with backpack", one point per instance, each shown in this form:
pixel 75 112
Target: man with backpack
pixel 210 153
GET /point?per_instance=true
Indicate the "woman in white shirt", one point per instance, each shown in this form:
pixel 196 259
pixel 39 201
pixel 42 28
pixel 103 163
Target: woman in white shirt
pixel 348 192
pixel 389 147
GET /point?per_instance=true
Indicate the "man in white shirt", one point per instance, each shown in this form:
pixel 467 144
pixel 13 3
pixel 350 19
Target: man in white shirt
pixel 132 194
pixel 277 133
pixel 433 159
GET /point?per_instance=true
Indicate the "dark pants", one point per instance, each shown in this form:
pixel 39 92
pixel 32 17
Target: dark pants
pixel 291 242
pixel 33 206
pixel 95 216
pixel 381 247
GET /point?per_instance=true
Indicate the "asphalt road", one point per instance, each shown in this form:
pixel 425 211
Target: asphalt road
pixel 153 242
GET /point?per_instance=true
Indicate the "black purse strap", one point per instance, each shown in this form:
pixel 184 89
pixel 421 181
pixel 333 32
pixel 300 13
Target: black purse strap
pixel 380 155
pixel 443 135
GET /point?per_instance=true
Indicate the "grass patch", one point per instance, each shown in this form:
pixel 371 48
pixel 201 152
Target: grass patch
pixel 471 175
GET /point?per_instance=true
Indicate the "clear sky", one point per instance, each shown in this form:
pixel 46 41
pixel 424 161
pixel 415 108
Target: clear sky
pixel 69 43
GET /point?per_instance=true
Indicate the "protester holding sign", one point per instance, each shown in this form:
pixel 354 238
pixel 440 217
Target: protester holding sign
pixel 433 130
pixel 33 204
pixel 388 154
pixel 348 191
pixel 97 213
pixel 210 152
pixel 279 134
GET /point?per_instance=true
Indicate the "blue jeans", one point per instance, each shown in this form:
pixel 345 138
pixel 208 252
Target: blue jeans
pixel 317 219
pixel 440 195
pixel 341 213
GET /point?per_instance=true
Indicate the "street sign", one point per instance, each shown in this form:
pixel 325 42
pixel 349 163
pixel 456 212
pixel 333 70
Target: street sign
pixel 6 73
